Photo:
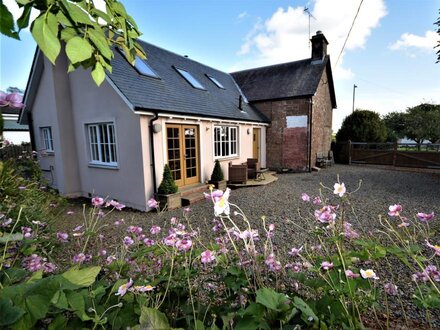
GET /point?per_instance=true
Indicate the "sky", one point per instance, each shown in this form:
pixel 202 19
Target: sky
pixel 388 55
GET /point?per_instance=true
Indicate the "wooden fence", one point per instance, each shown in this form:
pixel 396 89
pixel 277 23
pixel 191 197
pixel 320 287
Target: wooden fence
pixel 15 151
pixel 394 154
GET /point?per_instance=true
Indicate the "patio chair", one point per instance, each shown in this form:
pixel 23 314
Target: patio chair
pixel 237 173
pixel 253 166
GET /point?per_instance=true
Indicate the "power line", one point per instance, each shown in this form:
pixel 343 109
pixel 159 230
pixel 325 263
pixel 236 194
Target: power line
pixel 348 34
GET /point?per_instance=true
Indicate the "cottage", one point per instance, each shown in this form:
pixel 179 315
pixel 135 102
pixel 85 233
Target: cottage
pixel 114 140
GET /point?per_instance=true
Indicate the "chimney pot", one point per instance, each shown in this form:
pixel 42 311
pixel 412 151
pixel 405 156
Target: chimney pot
pixel 319 46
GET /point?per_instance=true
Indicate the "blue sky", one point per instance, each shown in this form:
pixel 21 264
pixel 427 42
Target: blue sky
pixel 389 54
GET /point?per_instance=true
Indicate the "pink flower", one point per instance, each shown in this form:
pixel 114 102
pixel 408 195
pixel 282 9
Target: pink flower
pixel 49 267
pixel 390 289
pixel 143 288
pixel 436 248
pixel 217 227
pixel 78 228
pixel 135 230
pixel 13 100
pixel 349 232
pixel 207 257
pixel 184 244
pixel 170 240
pixel 305 197
pixel 317 201
pixel 122 290
pixel 326 265
pixel 325 214
pixel 110 259
pixel 33 263
pixel 119 222
pixel 221 206
pixel 294 252
pixel 394 210
pixel 118 206
pixel 173 220
pixel 350 274
pixel 148 242
pixel 369 273
pixel 403 224
pixel 187 210
pixel 62 237
pixel 152 203
pixel 70 213
pixel 79 258
pixel 26 231
pixel 102 253
pixel 155 230
pixel 97 201
pixel 271 227
pixel 424 217
pixel 128 241
pixel 339 189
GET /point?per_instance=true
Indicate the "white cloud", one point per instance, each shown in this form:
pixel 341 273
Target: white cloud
pixel 242 15
pixel 409 40
pixel 284 36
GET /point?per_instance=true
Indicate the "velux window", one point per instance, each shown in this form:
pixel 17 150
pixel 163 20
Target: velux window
pixel 216 82
pixel 46 133
pixel 225 141
pixel 190 79
pixel 142 67
pixel 102 140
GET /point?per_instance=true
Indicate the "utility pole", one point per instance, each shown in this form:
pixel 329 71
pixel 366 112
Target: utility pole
pixel 354 93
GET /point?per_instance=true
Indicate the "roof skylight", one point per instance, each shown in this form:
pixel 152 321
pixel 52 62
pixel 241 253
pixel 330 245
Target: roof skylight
pixel 142 67
pixel 190 79
pixel 216 82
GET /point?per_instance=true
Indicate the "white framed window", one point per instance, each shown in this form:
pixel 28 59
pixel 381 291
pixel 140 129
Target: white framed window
pixel 102 141
pixel 46 134
pixel 225 141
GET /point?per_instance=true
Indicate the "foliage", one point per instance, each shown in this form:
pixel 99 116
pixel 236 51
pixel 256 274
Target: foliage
pixel 173 279
pixel 418 123
pixel 168 185
pixel 1 124
pixel 217 172
pixel 362 126
pixel 438 41
pixel 88 32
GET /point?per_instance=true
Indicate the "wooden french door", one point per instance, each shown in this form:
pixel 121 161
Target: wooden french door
pixel 183 153
pixel 256 143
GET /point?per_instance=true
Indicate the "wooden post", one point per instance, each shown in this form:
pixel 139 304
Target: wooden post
pixel 349 152
pixel 394 154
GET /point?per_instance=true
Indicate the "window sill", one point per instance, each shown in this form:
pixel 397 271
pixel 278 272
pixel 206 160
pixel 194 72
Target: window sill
pixel 226 158
pixel 104 166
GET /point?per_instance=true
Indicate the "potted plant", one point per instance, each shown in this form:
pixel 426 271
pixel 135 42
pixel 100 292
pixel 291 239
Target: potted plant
pixel 167 193
pixel 217 177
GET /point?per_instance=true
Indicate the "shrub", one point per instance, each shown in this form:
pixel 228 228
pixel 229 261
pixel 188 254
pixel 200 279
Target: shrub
pixel 168 185
pixel 217 172
pixel 362 126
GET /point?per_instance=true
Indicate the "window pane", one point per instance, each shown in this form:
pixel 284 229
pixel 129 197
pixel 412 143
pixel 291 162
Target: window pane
pixel 102 141
pixel 190 79
pixel 216 82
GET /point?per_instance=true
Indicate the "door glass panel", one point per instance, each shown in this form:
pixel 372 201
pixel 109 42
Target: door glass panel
pixel 173 140
pixel 190 152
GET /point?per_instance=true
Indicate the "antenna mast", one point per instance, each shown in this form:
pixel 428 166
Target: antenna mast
pixel 307 11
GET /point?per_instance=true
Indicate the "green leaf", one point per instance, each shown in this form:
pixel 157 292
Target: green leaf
pixel 7 22
pixel 11 237
pixel 45 32
pixel 23 21
pixel 68 33
pixel 271 299
pixel 100 41
pixel 78 50
pixel 64 20
pixel 37 306
pixel 77 14
pixel 307 312
pixel 98 73
pixel 38 275
pixel 152 319
pixel 59 322
pixel 76 301
pixel 9 314
pixel 59 300
pixel 82 277
pixel 13 275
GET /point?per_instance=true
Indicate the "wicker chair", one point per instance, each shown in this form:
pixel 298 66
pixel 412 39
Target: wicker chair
pixel 237 173
pixel 253 166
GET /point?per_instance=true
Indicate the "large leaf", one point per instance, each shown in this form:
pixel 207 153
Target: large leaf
pixel 77 14
pixel 23 21
pixel 98 73
pixel 11 237
pixel 76 301
pixel 78 50
pixel 271 299
pixel 100 41
pixel 9 313
pixel 37 306
pixel 7 22
pixel 152 319
pixel 82 277
pixel 45 32
pixel 307 312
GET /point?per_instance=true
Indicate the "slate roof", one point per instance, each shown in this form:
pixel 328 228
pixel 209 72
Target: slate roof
pixel 12 125
pixel 173 94
pixel 286 80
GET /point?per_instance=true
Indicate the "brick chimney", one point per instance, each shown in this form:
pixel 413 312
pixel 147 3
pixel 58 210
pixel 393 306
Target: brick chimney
pixel 319 46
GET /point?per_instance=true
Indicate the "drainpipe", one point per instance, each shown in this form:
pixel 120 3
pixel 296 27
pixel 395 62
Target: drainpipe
pixel 153 159
pixel 310 134
pixel 31 130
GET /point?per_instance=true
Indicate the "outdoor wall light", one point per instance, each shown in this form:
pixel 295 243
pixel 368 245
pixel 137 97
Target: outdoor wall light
pixel 157 128
pixel 248 131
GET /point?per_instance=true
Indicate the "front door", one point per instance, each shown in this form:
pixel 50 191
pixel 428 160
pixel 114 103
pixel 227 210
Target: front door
pixel 183 153
pixel 256 143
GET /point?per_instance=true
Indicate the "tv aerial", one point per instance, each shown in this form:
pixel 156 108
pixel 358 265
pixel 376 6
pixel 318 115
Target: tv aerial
pixel 307 11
